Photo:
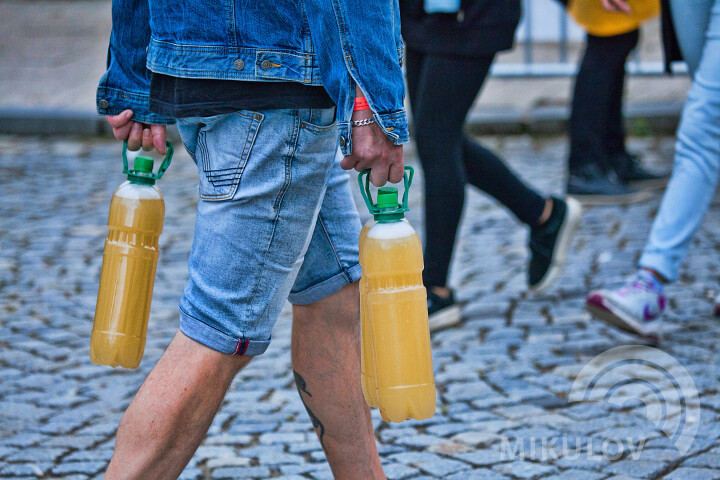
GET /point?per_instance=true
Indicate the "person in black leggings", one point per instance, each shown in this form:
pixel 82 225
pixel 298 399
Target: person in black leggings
pixel 448 58
pixel 599 166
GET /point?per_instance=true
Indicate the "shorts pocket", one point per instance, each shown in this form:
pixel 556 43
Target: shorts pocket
pixel 319 120
pixel 223 148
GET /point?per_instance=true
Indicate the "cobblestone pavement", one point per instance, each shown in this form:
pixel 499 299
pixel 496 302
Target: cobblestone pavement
pixel 505 376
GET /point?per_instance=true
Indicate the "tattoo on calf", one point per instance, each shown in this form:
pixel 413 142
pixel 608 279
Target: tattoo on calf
pixel 301 385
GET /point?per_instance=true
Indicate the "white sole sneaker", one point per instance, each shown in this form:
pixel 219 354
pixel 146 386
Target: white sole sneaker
pixel 607 312
pixel 447 317
pixel 562 246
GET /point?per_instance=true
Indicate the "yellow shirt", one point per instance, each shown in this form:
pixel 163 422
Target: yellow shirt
pixel 597 21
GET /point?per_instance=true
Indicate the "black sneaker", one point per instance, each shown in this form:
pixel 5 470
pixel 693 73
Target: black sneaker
pixel 549 244
pixel 591 185
pixel 442 312
pixel 628 169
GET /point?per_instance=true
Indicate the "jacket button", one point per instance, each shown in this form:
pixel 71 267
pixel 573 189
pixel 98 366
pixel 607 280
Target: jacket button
pixel 103 104
pixel 239 64
pixel 343 141
pixel 265 64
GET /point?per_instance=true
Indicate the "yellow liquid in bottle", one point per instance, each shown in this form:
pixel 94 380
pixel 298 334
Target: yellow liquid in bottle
pixel 128 275
pixel 367 359
pixel 397 310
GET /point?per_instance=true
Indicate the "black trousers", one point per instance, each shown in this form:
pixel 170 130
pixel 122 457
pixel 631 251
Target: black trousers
pixel 442 89
pixel 596 128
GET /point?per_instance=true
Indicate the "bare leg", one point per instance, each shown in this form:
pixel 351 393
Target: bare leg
pixel 326 363
pixel 172 411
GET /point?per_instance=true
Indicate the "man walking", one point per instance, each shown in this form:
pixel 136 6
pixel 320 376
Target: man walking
pixel 263 92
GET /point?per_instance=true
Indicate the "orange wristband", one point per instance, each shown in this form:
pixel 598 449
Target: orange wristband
pixel 361 104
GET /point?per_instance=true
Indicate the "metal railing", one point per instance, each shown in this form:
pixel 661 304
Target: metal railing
pixel 563 28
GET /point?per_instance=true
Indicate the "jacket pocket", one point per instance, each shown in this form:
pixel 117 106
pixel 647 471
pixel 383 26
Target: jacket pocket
pixel 223 147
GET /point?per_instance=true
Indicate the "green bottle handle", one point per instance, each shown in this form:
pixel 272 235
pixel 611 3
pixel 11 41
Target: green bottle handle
pixel 163 166
pixel 367 195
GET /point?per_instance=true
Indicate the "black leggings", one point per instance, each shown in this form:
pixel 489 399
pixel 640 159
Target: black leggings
pixel 596 125
pixel 442 90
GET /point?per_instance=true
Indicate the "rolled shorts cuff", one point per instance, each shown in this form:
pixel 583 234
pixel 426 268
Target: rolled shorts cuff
pixel 219 341
pixel 660 264
pixel 327 287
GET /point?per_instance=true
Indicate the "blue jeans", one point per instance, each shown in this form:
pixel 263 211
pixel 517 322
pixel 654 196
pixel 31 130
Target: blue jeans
pixel 697 151
pixel 276 221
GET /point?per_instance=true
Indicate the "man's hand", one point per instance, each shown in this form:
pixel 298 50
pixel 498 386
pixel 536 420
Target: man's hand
pixel 621 6
pixel 372 149
pixel 138 134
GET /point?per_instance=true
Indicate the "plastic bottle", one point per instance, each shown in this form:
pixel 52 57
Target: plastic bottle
pixel 367 361
pixel 396 310
pixel 135 222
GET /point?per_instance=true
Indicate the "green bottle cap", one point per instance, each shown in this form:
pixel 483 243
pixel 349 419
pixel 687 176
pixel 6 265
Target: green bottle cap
pixel 144 164
pixel 387 203
pixel 387 197
pixel 142 171
pixel 387 209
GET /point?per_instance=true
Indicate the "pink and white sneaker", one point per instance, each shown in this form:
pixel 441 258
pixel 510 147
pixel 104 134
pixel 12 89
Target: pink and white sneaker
pixel 636 307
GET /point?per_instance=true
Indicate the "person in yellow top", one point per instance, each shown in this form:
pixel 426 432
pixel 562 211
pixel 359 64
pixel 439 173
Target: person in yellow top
pixel 597 19
pixel 600 169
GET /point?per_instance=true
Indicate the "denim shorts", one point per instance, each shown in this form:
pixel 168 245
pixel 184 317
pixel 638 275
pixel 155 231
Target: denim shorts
pixel 276 221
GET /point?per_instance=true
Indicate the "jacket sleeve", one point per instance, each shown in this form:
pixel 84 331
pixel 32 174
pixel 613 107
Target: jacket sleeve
pixel 126 83
pixel 359 43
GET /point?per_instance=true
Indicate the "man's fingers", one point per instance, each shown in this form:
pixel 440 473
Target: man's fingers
pixel 121 133
pixel 147 138
pixel 378 176
pixel 159 138
pixel 397 170
pixel 134 139
pixel 348 163
pixel 121 124
pixel 121 119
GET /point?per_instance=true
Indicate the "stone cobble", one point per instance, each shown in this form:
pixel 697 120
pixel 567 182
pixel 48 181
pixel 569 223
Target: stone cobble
pixel 504 376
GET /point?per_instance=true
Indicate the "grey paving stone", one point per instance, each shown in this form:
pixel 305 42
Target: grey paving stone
pixel 398 471
pixel 232 473
pixel 443 430
pixel 191 474
pixel 478 474
pixel 31 470
pixel 429 463
pixel 252 428
pixel 706 460
pixel 635 468
pixel 467 391
pixel 524 470
pixel 74 441
pixel 88 468
pixel 693 473
pixel 23 440
pixel 96 454
pixel 229 461
pixel 37 455
pixel 575 475
pixel 477 438
pixel 484 458
pixel 418 441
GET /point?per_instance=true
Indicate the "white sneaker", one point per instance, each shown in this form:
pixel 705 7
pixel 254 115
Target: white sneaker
pixel 636 308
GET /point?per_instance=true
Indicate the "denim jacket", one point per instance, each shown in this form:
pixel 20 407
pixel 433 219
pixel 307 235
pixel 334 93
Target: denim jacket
pixel 334 43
